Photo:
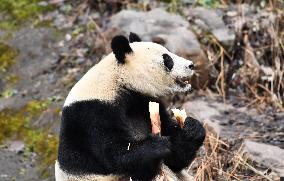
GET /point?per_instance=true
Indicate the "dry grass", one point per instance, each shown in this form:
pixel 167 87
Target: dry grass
pixel 223 162
pixel 260 74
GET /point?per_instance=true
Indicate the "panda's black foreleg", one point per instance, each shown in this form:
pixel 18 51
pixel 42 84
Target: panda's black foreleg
pixel 185 144
pixel 185 141
pixel 139 160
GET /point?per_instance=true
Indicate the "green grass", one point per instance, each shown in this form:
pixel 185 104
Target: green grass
pixel 209 3
pixel 7 57
pixel 17 125
pixel 173 5
pixel 15 12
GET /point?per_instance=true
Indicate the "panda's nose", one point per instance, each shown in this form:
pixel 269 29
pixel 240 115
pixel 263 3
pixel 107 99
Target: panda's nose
pixel 191 66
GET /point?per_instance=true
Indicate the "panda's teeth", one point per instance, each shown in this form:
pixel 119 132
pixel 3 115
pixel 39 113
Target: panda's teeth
pixel 186 81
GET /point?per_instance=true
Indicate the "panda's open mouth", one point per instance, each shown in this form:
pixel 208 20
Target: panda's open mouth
pixel 182 81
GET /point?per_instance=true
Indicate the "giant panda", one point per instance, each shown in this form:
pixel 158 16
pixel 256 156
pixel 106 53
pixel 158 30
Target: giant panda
pixel 105 130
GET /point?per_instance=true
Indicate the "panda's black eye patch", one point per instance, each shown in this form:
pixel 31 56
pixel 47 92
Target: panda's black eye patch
pixel 168 62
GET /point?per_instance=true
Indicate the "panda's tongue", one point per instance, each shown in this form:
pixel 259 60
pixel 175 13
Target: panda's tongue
pixel 182 82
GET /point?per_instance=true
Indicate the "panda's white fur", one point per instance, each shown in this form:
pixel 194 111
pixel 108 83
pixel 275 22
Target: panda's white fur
pixel 144 72
pixel 167 175
pixel 97 75
pixel 61 175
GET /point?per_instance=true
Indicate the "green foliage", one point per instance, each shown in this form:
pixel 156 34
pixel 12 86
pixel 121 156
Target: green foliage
pixel 7 57
pixel 6 36
pixel 16 124
pixel 11 79
pixel 174 6
pixel 8 93
pixel 15 12
pixel 209 3
pixel 13 122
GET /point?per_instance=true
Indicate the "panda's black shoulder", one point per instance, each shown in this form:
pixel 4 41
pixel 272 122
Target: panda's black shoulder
pixel 83 126
pixel 91 114
pixel 86 114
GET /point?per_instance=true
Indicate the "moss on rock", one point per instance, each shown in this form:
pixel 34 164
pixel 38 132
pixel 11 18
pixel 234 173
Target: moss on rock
pixel 15 12
pixel 7 57
pixel 17 125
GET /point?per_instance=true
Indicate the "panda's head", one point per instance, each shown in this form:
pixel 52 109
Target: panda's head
pixel 150 68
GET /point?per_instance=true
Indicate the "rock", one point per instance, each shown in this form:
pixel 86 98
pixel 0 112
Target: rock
pixel 2 85
pixel 49 119
pixel 250 14
pixel 35 63
pixel 214 24
pixel 16 146
pixel 158 24
pixel 36 50
pixel 172 31
pixel 12 103
pixel 16 167
pixel 268 155
pixel 207 112
pixel 214 125
pixel 42 3
pixel 200 109
pixel 59 20
pixel 68 37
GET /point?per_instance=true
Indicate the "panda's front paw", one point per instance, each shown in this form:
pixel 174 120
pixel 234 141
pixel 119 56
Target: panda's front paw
pixel 158 145
pixel 194 131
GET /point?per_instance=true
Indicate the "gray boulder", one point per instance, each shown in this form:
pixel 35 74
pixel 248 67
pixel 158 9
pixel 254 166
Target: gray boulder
pixel 268 155
pixel 207 112
pixel 16 166
pixel 16 102
pixel 210 20
pixel 155 25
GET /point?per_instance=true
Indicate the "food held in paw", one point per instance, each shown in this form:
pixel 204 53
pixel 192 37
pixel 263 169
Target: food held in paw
pixel 155 117
pixel 180 116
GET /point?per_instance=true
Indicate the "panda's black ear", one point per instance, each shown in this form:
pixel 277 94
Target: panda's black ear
pixel 133 37
pixel 120 47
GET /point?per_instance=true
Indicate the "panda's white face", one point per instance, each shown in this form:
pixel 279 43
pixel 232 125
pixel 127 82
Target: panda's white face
pixel 146 67
pixel 153 70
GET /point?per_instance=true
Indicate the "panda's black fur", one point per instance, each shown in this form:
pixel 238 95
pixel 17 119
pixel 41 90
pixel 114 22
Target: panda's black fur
pixel 98 137
pixel 120 47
